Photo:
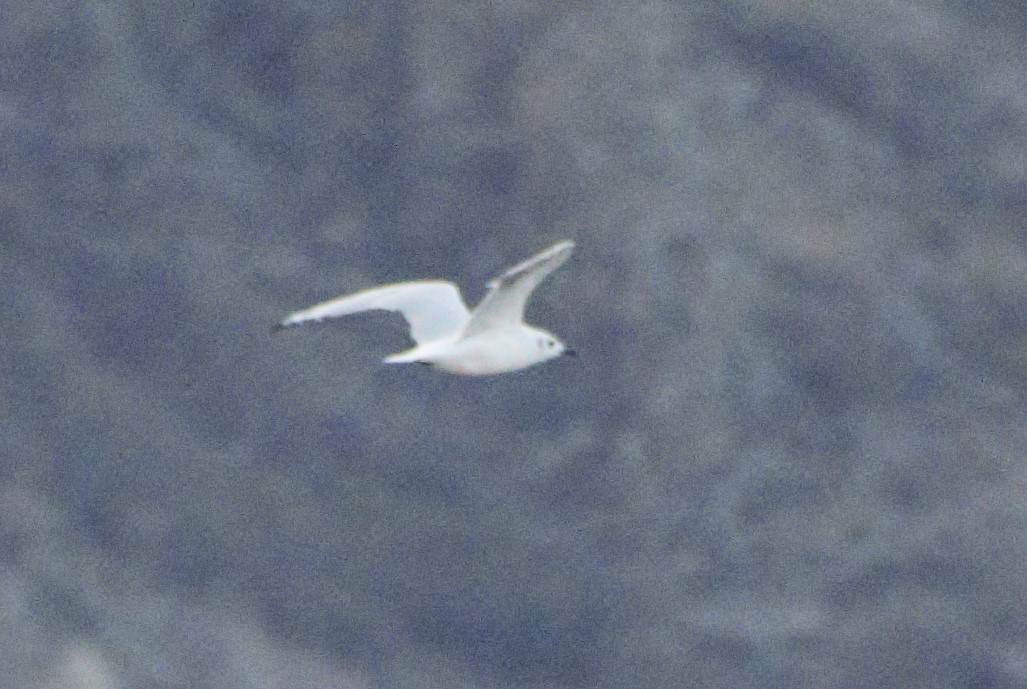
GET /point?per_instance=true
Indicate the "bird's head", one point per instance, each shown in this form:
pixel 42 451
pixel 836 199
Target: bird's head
pixel 551 347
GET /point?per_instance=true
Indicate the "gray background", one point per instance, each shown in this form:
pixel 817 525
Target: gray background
pixel 790 455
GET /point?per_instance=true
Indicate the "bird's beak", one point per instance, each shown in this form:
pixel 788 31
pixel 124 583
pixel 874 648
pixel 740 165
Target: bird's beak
pixel 569 352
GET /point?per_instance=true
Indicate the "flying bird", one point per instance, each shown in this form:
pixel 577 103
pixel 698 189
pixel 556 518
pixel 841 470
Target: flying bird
pixel 493 338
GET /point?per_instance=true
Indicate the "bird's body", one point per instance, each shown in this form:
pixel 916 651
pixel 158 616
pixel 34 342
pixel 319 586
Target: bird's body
pixel 491 339
pixel 499 351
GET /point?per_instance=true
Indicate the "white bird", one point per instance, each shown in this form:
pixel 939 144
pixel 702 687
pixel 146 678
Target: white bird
pixel 491 339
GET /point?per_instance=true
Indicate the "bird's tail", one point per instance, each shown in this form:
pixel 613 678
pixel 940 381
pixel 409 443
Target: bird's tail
pixel 410 356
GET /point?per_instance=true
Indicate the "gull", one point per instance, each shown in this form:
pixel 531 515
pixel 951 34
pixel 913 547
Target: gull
pixel 493 338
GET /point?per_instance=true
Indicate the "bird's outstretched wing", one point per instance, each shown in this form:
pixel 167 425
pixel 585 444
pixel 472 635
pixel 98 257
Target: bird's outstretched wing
pixel 508 294
pixel 433 308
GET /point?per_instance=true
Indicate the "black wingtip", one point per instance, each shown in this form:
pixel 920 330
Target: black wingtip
pixel 278 327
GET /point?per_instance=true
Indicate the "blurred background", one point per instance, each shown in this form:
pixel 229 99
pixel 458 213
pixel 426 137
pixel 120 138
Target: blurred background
pixel 791 453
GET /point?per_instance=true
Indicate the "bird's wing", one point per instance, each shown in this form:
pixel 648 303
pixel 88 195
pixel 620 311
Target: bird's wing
pixel 508 294
pixel 433 308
